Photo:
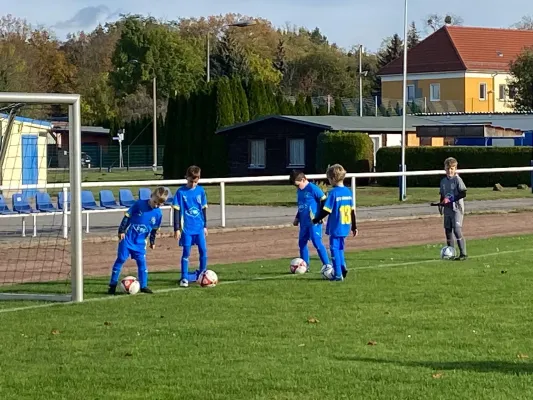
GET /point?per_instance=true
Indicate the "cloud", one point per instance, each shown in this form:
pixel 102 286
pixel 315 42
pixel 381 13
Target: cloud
pixel 88 17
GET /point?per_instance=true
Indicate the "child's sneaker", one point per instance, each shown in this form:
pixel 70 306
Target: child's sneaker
pixel 337 278
pixel 344 273
pixel 112 289
pixel 147 290
pixel 184 283
pixel 461 257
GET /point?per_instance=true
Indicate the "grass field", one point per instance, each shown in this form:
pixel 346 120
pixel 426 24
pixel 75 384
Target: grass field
pixel 285 195
pixel 402 326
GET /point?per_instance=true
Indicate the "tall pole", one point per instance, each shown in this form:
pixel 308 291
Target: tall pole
pixel 403 186
pixel 154 167
pixel 361 80
pixel 208 60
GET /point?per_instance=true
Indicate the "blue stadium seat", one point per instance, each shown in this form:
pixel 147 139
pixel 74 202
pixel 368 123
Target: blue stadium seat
pixel 21 204
pixel 60 199
pixel 107 200
pixel 4 209
pixel 88 202
pixel 170 198
pixel 145 194
pixel 125 197
pixel 44 203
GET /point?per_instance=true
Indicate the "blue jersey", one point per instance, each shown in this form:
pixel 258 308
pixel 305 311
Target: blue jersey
pixel 339 205
pixel 189 203
pixel 308 200
pixel 142 220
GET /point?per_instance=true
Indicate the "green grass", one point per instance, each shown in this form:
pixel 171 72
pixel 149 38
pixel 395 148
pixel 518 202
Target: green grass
pixel 285 195
pixel 443 330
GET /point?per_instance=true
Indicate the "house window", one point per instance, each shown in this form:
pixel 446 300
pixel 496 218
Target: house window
pixel 425 141
pixel 512 92
pixel 434 92
pixel 502 91
pixel 410 92
pixel 296 152
pixel 482 91
pixel 449 141
pixel 257 153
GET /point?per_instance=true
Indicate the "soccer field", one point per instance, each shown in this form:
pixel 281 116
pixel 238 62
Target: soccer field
pixel 404 325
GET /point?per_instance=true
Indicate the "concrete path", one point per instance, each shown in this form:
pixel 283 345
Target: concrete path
pixel 241 216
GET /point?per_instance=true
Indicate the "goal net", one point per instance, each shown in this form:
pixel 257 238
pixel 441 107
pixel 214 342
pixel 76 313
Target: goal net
pixel 40 202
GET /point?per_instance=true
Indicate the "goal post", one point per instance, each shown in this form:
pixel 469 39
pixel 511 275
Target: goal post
pixel 75 243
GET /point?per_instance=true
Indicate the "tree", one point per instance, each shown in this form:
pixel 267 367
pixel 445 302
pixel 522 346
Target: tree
pixel 229 59
pixel 392 51
pixel 279 60
pixel 413 38
pixel 526 23
pixel 521 83
pixel 317 37
pixel 434 22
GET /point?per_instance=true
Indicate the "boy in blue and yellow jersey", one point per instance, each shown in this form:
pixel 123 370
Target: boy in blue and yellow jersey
pixel 310 199
pixel 341 221
pixel 190 223
pixel 141 221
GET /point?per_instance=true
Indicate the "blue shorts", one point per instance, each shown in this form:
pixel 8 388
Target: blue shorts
pixel 308 232
pixel 336 242
pixel 187 240
pixel 126 251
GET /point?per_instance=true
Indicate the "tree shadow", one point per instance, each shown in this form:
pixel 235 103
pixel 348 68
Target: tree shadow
pixel 503 367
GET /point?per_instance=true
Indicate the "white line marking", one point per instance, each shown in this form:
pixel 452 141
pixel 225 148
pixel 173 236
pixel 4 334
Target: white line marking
pixel 377 266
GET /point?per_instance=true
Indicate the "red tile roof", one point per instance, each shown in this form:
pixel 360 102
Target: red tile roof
pixel 458 48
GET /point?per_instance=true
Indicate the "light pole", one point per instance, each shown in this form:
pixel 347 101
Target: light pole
pixel 361 74
pixel 242 24
pixel 403 185
pixel 154 130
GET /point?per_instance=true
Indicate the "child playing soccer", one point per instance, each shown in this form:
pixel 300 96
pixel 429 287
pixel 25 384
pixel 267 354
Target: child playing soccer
pixel 190 223
pixel 341 218
pixel 452 193
pixel 143 219
pixel 310 199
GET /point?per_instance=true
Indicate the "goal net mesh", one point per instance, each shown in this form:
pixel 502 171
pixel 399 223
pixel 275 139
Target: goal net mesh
pixel 34 250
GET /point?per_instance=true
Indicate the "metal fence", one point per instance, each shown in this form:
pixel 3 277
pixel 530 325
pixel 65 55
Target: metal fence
pixel 133 156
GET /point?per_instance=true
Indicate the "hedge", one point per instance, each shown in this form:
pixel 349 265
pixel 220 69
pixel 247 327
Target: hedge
pixel 430 158
pixel 354 151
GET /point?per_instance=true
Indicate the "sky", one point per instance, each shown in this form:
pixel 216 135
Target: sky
pixel 345 22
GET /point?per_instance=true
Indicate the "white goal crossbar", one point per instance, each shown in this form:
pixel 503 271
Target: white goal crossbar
pixel 76 245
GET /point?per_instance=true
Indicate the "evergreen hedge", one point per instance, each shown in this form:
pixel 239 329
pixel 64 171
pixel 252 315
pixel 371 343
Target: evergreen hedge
pixel 432 158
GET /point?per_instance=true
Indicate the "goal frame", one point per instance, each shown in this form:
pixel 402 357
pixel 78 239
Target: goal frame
pixel 76 238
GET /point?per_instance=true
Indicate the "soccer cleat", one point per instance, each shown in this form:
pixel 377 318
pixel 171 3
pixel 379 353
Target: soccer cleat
pixel 461 257
pixel 184 283
pixel 337 278
pixel 344 273
pixel 112 289
pixel 147 290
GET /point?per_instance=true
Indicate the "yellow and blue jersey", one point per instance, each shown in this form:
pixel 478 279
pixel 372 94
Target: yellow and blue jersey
pixel 308 199
pixel 142 219
pixel 190 203
pixel 339 204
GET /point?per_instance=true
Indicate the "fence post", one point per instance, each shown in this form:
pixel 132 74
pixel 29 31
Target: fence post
pixel 101 158
pixel 401 184
pixel 128 166
pixel 223 204
pixel 65 213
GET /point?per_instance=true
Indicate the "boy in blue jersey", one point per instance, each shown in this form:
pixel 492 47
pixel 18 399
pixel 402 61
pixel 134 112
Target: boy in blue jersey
pixel 310 199
pixel 143 219
pixel 341 221
pixel 190 223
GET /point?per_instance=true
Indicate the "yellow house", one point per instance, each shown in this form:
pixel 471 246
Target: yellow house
pixel 457 69
pixel 23 154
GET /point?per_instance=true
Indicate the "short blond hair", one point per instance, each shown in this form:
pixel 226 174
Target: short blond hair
pixel 160 195
pixel 450 162
pixel 336 173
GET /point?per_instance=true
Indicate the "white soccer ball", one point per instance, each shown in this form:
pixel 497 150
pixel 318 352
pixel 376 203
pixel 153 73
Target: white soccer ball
pixel 447 253
pixel 327 272
pixel 130 285
pixel 207 278
pixel 298 266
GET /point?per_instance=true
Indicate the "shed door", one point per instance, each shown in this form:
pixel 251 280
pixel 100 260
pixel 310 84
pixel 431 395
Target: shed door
pixel 30 168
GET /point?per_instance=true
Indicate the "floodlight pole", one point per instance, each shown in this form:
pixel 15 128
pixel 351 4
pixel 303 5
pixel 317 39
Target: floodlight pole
pixel 360 80
pixel 403 184
pixel 154 167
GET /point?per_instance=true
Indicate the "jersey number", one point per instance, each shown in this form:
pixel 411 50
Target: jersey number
pixel 346 215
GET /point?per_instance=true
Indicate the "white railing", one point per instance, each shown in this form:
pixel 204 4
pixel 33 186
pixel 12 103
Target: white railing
pixel 220 181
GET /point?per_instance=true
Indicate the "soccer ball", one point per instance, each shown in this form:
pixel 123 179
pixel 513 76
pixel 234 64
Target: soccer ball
pixel 130 285
pixel 327 272
pixel 447 253
pixel 207 278
pixel 298 266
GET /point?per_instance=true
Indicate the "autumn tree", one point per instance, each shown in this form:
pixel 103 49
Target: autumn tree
pixel 436 21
